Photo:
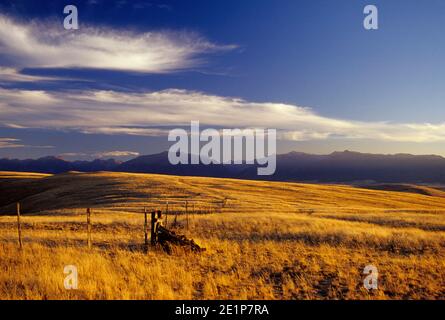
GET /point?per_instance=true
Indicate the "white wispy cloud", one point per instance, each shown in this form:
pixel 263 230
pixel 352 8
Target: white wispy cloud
pixel 14 75
pixel 116 154
pixel 10 75
pixel 10 143
pixel 17 143
pixel 72 154
pixel 111 112
pixel 47 44
pixel 153 132
pixel 100 155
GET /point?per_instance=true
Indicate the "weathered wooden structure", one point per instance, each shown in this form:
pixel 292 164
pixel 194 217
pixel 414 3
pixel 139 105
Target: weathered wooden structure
pixel 167 239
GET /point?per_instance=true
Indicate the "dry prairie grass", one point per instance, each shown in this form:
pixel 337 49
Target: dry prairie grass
pixel 264 240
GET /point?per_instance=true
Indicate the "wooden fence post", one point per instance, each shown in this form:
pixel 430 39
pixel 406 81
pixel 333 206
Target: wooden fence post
pixel 145 230
pixel 19 226
pixel 175 222
pixel 159 220
pixel 89 227
pixel 153 231
pixel 166 216
pixel 156 221
pixel 186 214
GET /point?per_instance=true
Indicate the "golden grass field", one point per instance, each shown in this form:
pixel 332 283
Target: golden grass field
pixel 264 240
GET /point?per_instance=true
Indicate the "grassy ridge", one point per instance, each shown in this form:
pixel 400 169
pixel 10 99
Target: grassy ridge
pixel 264 240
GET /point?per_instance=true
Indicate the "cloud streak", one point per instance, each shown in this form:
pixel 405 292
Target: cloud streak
pixel 100 155
pixel 49 45
pixel 16 143
pixel 8 75
pixel 145 114
pixel 10 143
pixel 116 154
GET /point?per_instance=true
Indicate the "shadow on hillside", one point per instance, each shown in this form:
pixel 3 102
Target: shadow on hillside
pixel 389 223
pixel 72 226
pixel 132 246
pixel 392 245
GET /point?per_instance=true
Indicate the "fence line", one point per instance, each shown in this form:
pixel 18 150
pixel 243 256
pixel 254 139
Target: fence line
pixel 156 223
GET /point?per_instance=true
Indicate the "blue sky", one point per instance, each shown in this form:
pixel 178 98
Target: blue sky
pixel 134 69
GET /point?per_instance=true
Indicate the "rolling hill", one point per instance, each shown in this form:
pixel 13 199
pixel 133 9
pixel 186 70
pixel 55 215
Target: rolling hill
pixel 45 192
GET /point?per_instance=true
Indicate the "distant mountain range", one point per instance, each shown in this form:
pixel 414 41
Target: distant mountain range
pixel 344 166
